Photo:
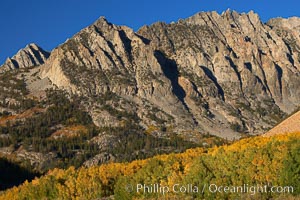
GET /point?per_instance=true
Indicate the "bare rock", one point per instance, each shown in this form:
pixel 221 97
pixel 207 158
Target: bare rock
pixel 214 73
pixel 31 55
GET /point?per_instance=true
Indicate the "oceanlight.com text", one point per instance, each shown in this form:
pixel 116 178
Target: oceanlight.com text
pixel 211 188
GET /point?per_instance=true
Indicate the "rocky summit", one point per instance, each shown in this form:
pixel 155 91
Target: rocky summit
pixel 32 55
pixel 223 74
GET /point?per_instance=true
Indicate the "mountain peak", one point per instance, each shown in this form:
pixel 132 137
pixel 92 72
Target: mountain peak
pixel 201 69
pixel 31 55
pixel 235 15
pixel 290 23
pixel 102 22
pixel 32 45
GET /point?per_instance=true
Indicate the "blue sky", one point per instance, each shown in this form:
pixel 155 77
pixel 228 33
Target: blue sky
pixel 50 22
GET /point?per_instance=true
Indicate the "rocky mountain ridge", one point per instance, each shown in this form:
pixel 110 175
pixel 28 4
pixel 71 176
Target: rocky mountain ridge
pixel 30 56
pixel 219 74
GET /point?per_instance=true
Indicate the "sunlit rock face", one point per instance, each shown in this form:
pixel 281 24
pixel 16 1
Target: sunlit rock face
pixel 223 74
pixel 32 55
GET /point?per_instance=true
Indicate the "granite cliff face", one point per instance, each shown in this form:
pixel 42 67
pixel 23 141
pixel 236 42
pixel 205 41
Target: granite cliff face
pixel 219 74
pixel 32 55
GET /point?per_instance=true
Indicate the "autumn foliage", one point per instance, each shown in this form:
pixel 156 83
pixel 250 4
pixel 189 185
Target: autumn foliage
pixel 259 160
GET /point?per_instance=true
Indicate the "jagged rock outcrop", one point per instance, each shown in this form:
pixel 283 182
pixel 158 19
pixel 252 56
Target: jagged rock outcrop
pixel 107 58
pixel 31 55
pixel 38 161
pixel 246 66
pixel 210 73
pixel 99 159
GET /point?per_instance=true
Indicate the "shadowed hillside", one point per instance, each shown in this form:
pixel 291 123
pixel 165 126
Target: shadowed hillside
pixel 12 174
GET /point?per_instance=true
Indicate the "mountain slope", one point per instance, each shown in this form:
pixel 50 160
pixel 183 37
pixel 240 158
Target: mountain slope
pixel 246 59
pixel 252 162
pixel 289 125
pixel 218 74
pixel 112 94
pixel 109 93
